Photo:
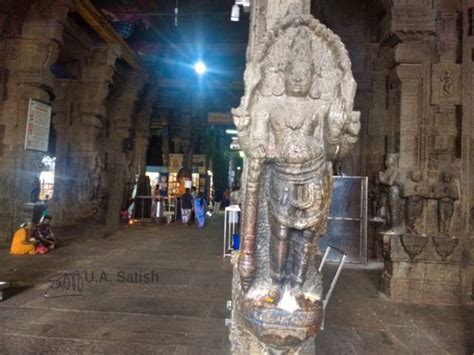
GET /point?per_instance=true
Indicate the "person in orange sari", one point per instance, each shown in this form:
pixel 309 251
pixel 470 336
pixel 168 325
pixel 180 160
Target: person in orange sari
pixel 22 243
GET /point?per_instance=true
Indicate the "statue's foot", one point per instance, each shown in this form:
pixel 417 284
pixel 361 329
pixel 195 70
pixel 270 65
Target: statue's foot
pixel 303 302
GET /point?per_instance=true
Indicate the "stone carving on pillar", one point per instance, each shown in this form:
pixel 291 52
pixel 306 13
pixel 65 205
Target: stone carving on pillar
pixel 96 178
pixel 290 135
pixel 414 191
pixel 446 84
pixel 447 192
pixel 391 178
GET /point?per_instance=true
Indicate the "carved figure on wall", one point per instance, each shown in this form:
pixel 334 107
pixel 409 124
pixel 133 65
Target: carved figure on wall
pixel 446 193
pixel 391 177
pixel 414 191
pixel 448 83
pixel 96 178
pixel 290 138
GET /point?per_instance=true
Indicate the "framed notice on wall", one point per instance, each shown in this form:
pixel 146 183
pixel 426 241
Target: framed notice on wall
pixel 37 126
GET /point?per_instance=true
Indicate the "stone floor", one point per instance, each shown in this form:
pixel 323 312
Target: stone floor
pixel 184 311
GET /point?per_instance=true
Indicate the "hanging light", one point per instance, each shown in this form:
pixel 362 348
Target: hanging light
pixel 235 14
pixel 176 11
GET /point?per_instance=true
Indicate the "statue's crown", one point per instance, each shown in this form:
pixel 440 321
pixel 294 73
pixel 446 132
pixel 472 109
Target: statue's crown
pixel 301 48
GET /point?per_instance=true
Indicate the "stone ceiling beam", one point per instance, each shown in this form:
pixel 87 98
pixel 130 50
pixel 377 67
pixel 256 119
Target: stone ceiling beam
pixel 97 21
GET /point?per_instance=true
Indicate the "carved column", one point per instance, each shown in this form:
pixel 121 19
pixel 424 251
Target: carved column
pixel 98 78
pixel 424 98
pixel 264 14
pixel 186 144
pixel 467 147
pixel 276 298
pixel 80 119
pixel 142 132
pixel 28 61
pixel 165 144
pixel 121 174
pixel 66 124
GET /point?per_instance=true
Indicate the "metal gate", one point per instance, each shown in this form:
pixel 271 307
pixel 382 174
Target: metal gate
pixel 347 222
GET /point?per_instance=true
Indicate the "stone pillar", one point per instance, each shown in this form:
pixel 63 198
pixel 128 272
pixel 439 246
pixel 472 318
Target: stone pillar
pixel 142 132
pixel 80 165
pixel 120 165
pixel 467 147
pixel 65 117
pixel 277 302
pixel 165 144
pixel 423 259
pixel 264 14
pixel 28 61
pixel 187 144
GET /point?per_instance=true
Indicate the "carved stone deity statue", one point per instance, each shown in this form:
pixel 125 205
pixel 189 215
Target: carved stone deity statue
pixel 295 119
pixel 446 193
pixel 391 177
pixel 414 191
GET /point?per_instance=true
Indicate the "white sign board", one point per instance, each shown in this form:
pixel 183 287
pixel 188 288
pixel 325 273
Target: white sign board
pixel 37 126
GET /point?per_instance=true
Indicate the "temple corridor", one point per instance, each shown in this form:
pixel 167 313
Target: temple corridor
pixel 185 310
pixel 136 135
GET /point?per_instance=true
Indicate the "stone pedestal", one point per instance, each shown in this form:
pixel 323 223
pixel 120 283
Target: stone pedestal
pixel 244 315
pixel 424 277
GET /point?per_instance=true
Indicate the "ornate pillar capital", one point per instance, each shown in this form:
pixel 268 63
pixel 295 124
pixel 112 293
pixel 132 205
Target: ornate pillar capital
pixel 46 19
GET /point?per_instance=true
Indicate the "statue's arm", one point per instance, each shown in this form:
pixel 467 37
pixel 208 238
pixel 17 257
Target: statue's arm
pixel 341 129
pixel 253 131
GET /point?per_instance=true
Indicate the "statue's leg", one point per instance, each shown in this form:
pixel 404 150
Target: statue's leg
pixel 445 212
pixel 247 259
pixel 394 205
pixel 278 256
pixel 303 250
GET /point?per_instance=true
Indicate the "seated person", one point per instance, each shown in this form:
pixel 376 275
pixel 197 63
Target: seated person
pixel 44 235
pixel 22 243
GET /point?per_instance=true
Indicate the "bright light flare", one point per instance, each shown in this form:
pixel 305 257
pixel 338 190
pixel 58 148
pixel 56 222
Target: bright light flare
pixel 200 68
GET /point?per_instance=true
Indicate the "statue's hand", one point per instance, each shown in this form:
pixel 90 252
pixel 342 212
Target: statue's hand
pixel 353 124
pixel 337 116
pixel 258 152
pixel 241 118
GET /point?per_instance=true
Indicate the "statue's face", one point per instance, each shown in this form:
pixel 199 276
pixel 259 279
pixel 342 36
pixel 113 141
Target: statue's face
pixel 446 177
pixel 298 79
pixel 416 176
pixel 390 161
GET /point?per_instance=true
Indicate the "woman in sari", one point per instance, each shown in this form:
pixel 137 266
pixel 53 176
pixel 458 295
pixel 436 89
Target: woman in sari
pixel 200 205
pixel 22 243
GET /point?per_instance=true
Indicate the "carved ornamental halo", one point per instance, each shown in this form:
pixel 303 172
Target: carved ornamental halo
pixel 302 41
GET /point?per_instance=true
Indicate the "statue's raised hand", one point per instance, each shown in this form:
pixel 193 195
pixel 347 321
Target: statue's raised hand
pixel 336 119
pixel 353 124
